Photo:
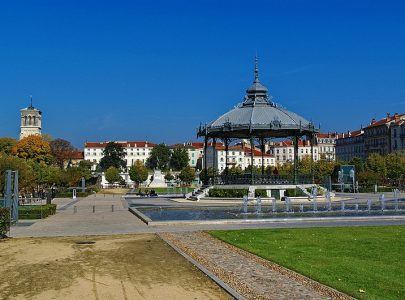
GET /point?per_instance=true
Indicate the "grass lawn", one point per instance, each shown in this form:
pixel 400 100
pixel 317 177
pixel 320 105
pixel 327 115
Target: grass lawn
pixel 364 262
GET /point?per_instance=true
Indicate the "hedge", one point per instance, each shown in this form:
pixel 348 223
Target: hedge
pixel 294 193
pixel 4 221
pixel 234 193
pixel 36 211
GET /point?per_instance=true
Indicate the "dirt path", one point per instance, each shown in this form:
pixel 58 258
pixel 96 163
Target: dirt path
pixel 102 267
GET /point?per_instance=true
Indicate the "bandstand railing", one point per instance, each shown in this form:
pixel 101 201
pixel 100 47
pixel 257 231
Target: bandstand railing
pixel 258 179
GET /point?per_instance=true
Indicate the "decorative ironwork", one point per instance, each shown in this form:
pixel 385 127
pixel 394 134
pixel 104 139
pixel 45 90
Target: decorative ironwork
pixel 259 179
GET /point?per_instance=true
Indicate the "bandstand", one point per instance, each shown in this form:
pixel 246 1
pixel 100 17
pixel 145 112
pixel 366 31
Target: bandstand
pixel 258 119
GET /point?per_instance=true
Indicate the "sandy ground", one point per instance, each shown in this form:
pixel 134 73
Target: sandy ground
pixel 113 267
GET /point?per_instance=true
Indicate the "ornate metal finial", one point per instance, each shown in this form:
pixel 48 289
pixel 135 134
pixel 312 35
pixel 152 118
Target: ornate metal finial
pixel 256 68
pixel 31 102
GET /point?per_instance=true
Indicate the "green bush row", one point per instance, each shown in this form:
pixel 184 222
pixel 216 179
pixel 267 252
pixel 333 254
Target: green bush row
pixel 36 211
pixel 380 189
pixel 4 221
pixel 294 193
pixel 234 193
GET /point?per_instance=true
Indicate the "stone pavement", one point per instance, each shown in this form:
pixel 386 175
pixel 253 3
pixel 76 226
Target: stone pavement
pixel 110 216
pixel 251 276
pixel 104 221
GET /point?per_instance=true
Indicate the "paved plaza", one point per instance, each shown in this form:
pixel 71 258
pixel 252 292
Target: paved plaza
pixel 245 276
pixel 75 217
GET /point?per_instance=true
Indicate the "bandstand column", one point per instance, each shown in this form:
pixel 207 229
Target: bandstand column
pixel 311 141
pixel 252 141
pixel 295 160
pixel 226 141
pixel 205 160
pixel 214 155
pixel 262 149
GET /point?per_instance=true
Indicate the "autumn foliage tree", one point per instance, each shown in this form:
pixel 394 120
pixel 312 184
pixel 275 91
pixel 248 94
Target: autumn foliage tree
pixel 35 148
pixel 62 150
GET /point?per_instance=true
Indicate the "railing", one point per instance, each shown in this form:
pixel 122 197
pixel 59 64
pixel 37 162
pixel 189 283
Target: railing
pixel 259 179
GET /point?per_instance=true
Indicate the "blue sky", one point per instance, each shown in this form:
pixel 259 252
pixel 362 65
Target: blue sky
pixel 136 70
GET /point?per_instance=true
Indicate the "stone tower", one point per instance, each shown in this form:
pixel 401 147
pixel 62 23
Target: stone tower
pixel 31 121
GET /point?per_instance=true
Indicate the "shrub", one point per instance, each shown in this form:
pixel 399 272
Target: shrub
pixel 36 211
pixel 294 193
pixel 260 193
pixel 225 193
pixel 4 221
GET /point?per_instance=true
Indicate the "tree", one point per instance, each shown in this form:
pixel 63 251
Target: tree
pixel 112 175
pixel 376 163
pixel 179 159
pixel 33 147
pixel 235 170
pixel 305 165
pixel 113 157
pixel 187 175
pixel 159 157
pixel 357 163
pixel 7 144
pixel 395 164
pixel 285 168
pixel 368 178
pixel 27 180
pixel 169 176
pixel 323 168
pixel 62 150
pixel 138 172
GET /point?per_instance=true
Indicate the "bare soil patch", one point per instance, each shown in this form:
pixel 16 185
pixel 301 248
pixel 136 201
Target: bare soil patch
pixel 107 267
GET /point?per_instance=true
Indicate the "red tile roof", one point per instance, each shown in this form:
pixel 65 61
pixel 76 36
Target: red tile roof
pixel 140 144
pixel 386 120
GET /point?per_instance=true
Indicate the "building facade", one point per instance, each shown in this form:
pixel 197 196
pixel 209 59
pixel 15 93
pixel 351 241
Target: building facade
pixel 326 143
pixel 195 151
pixel 378 135
pixel 350 145
pixel 398 135
pixel 93 151
pixel 31 121
pixel 283 151
pixel 238 156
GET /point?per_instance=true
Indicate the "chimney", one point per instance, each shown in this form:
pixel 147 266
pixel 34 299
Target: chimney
pixel 372 121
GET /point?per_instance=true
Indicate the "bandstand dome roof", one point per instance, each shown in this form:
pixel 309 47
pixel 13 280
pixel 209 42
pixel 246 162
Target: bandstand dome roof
pixel 257 116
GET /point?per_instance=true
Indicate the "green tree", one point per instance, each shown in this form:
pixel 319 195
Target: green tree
pixel 395 165
pixel 187 175
pixel 305 165
pixel 34 147
pixel 210 172
pixel 62 151
pixel 323 168
pixel 235 170
pixel 285 168
pixel 113 157
pixel 7 144
pixel 368 178
pixel 112 175
pixel 376 163
pixel 179 159
pixel 159 157
pixel 27 179
pixel 138 172
pixel 357 163
pixel 169 176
